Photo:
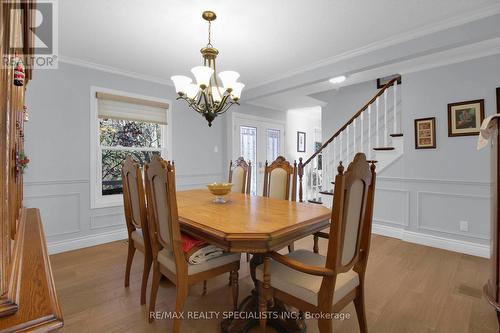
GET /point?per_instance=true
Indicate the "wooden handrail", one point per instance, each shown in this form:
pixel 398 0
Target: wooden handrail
pixel 377 95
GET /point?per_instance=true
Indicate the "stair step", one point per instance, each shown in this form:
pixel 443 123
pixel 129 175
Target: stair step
pixel 316 202
pixel 326 192
pixel 396 135
pixel 383 148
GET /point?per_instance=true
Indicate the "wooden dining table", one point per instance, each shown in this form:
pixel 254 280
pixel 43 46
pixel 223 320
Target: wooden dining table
pixel 250 224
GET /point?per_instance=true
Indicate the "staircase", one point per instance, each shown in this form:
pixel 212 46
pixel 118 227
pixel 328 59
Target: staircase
pixel 374 130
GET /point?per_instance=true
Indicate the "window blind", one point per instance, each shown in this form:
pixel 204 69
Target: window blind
pixel 112 106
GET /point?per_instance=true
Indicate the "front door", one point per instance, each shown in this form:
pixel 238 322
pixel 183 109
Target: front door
pixel 258 140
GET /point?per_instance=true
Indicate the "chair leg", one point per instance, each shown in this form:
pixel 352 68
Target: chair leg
pixel 154 290
pixel 359 304
pixel 130 257
pixel 145 275
pixel 204 287
pixel 325 326
pixel 180 300
pixel 235 290
pixel 291 247
pixel 316 246
pixel 262 307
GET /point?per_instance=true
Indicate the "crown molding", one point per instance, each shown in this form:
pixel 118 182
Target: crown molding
pixel 391 41
pixel 114 70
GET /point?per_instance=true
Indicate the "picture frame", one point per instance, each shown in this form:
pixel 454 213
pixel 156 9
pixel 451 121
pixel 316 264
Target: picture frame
pixel 425 133
pixel 301 142
pixel 465 118
pixel 381 82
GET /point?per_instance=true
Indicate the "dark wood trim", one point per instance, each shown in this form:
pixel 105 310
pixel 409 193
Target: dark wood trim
pixel 396 135
pixel 433 120
pixel 383 148
pixel 380 85
pixel 481 115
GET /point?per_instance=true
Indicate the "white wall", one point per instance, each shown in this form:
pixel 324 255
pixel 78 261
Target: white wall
pixel 424 196
pixel 306 120
pixel 58 144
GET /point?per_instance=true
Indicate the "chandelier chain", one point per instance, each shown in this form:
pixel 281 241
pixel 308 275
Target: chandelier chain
pixel 209 34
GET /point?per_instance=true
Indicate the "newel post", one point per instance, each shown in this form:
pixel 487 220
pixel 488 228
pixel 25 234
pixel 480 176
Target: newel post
pixel 301 174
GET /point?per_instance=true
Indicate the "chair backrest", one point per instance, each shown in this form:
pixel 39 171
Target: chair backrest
pixel 134 200
pixel 162 210
pixel 350 230
pixel 277 180
pixel 240 174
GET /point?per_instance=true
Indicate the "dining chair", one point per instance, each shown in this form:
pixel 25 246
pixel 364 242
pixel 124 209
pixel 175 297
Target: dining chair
pixel 318 284
pixel 136 218
pixel 240 174
pixel 168 258
pixel 278 176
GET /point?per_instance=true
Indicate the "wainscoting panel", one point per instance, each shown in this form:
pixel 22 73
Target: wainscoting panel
pixel 60 212
pixel 442 212
pixel 69 221
pixel 399 202
pixel 100 221
pixel 429 211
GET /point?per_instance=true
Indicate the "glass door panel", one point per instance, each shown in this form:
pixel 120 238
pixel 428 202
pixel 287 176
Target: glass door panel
pixel 248 149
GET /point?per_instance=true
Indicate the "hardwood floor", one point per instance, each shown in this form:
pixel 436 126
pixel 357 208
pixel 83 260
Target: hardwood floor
pixel 409 288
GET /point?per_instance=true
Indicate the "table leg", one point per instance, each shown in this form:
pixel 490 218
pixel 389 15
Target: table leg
pixel 250 305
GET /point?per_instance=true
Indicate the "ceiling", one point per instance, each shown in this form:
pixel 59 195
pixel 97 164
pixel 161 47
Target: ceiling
pixel 260 39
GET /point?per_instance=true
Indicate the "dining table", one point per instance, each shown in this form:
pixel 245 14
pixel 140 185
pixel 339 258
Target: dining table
pixel 251 224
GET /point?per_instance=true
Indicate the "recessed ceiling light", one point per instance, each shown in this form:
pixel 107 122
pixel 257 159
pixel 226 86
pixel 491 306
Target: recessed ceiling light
pixel 338 79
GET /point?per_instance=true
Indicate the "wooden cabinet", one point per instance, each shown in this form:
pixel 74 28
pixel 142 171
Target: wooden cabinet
pixel 28 299
pixel 492 287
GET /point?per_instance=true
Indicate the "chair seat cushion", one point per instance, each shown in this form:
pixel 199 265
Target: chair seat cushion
pixel 306 286
pixel 166 259
pixel 137 237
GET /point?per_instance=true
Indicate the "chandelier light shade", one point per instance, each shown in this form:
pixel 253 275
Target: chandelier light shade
pixel 212 94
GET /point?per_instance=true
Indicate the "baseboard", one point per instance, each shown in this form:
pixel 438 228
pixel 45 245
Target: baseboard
pixel 479 250
pixel 86 241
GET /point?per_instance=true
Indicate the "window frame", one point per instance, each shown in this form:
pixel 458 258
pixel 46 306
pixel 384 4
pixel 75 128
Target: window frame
pixel 97 200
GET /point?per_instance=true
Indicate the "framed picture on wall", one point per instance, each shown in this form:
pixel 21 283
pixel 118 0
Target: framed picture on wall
pixel 465 118
pixel 301 142
pixel 425 133
pixel 381 82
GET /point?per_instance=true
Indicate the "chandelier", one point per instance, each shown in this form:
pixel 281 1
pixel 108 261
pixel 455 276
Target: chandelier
pixel 207 96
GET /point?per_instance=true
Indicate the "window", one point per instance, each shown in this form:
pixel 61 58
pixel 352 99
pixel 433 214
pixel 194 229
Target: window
pixel 273 144
pixel 123 125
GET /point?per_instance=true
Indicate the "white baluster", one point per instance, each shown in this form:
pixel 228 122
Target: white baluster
pixel 377 142
pixel 347 156
pixel 362 130
pixel 324 174
pixel 385 119
pixel 395 92
pixel 333 162
pixel 369 131
pixel 341 144
pixel 354 151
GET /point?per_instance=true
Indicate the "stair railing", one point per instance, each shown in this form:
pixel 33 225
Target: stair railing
pixel 343 137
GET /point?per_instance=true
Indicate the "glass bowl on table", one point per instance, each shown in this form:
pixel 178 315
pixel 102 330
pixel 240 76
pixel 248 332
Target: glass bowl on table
pixel 220 190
